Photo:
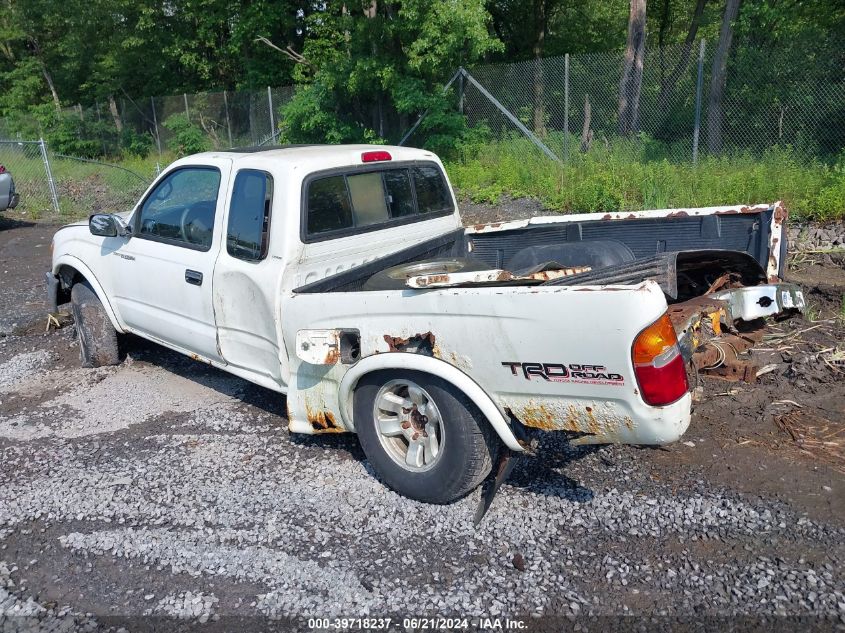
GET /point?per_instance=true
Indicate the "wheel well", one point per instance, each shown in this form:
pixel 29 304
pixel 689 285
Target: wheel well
pixel 68 276
pixel 427 365
pixel 408 370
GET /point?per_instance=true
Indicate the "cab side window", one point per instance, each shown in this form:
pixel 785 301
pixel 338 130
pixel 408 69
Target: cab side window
pixel 248 230
pixel 180 210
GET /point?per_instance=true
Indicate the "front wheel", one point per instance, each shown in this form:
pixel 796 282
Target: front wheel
pixel 97 337
pixel 422 435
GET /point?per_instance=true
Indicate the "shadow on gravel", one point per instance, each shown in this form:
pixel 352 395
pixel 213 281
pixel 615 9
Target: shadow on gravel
pixel 541 474
pixel 12 223
pixel 141 350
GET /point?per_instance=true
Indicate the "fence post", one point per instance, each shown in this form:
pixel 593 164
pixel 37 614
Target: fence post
pixel 458 73
pixel 228 122
pixel 272 122
pixel 100 130
pixel 187 113
pixel 50 182
pixel 461 93
pixel 155 125
pixel 566 107
pixel 511 117
pixel 698 85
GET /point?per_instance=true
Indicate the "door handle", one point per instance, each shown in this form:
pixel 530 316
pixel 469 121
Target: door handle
pixel 193 277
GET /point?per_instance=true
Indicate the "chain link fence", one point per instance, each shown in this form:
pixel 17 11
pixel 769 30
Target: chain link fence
pixel 146 125
pixel 49 183
pixel 560 108
pixel 569 105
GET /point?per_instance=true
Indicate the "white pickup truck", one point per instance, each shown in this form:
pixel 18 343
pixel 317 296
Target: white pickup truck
pixel 343 277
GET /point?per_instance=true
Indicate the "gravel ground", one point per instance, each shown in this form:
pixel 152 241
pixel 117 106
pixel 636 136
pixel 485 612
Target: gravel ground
pixel 165 491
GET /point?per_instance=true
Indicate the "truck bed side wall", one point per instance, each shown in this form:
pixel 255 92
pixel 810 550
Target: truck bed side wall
pixel 576 342
pixel 748 232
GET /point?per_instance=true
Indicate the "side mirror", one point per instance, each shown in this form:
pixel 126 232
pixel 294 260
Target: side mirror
pixel 107 225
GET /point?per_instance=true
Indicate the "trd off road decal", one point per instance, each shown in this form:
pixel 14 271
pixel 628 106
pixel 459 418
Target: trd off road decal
pixel 573 372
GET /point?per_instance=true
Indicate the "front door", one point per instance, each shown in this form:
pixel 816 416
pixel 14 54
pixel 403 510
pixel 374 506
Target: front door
pixel 163 275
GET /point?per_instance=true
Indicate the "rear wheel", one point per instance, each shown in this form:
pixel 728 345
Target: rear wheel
pixel 423 436
pixel 97 337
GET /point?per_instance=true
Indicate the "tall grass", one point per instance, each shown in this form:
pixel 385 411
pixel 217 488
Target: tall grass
pixel 617 176
pixel 627 176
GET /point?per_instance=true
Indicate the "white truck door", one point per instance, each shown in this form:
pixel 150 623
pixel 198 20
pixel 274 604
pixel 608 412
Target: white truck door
pixel 162 276
pixel 246 282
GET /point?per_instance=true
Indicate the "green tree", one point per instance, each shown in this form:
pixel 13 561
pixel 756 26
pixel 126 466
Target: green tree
pixel 367 67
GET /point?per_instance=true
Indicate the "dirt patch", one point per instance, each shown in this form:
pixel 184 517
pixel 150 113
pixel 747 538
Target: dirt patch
pixel 785 434
pixel 24 258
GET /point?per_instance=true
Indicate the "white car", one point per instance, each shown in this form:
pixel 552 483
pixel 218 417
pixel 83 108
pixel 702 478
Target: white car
pixel 343 277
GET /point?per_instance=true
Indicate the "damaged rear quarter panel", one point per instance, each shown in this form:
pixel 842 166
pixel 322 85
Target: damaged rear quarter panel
pixel 585 332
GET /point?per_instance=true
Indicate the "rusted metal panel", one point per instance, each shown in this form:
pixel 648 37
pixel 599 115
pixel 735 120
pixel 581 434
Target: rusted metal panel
pixel 494 276
pixel 780 216
pixel 603 422
pixel 323 422
pixel 761 301
pixel 714 331
pixel 424 343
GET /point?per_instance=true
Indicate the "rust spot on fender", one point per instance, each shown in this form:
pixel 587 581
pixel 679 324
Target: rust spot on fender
pixel 322 421
pixel 539 416
pixel 678 214
pixel 424 343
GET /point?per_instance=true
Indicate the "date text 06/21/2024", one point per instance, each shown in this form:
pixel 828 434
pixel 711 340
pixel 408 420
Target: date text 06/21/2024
pixel 418 624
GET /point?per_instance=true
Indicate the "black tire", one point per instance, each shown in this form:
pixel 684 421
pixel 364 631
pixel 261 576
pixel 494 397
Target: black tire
pixel 97 337
pixel 468 450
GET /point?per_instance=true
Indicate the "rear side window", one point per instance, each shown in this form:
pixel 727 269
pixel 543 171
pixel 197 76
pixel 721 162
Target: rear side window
pixel 346 202
pixel 432 193
pixel 248 232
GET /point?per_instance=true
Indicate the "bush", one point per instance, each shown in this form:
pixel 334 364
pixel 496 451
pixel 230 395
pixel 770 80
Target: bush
pixel 135 144
pixel 187 138
pixel 67 133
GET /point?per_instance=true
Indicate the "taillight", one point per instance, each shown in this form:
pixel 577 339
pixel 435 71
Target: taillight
pixel 374 157
pixel 2 169
pixel 658 363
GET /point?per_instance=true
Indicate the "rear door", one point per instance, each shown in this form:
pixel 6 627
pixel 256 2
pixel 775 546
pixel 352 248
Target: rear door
pixel 162 276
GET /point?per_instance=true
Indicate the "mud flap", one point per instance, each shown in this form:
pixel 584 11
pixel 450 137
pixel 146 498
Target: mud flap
pixel 491 485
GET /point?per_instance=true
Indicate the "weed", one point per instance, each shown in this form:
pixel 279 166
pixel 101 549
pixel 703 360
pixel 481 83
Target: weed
pixel 628 176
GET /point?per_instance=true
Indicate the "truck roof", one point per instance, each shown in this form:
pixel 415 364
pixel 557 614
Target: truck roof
pixel 313 157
